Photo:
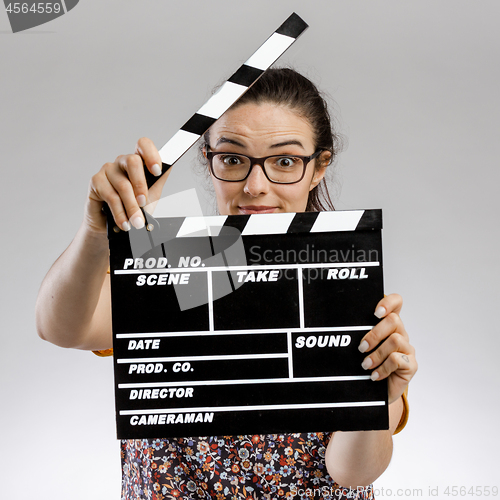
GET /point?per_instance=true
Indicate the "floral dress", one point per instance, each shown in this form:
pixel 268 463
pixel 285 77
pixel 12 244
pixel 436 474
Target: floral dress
pixel 231 467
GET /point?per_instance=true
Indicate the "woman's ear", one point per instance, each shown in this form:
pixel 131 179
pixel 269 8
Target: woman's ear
pixel 322 163
pixel 204 151
pixel 324 159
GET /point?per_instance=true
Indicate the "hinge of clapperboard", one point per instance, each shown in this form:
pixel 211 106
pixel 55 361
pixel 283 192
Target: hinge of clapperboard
pixel 249 72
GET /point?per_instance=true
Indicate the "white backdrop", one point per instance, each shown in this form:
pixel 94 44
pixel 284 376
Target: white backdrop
pixel 416 86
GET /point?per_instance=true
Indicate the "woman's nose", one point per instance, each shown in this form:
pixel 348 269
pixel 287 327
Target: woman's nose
pixel 257 182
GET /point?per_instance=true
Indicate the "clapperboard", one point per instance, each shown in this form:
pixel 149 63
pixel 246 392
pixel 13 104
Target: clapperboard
pixel 244 324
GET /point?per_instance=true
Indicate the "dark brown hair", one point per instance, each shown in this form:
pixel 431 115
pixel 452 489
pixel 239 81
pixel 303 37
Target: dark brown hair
pixel 286 87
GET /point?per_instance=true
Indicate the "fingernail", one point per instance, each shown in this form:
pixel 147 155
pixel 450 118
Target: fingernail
pixel 126 226
pixel 137 221
pixel 156 169
pixel 141 200
pixel 363 346
pixel 367 363
pixel 380 312
pixel 374 376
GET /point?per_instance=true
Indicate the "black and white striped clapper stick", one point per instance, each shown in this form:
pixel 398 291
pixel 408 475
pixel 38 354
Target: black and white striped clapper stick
pixel 230 92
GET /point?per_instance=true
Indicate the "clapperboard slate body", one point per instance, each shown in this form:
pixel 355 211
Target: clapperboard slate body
pixel 246 324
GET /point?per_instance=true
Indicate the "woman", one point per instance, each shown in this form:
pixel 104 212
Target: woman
pixel 282 114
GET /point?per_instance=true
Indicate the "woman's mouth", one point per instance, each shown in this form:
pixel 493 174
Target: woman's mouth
pixel 256 209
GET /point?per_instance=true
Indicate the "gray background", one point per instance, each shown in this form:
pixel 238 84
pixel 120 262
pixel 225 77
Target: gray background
pixel 416 86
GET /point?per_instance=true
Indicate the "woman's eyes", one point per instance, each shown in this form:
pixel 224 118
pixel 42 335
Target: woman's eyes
pixel 283 162
pixel 286 161
pixel 232 161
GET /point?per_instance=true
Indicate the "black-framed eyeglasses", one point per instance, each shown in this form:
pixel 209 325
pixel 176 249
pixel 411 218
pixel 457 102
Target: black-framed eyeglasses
pixel 280 169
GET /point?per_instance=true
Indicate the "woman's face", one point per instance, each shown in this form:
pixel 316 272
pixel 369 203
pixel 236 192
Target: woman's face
pixel 260 130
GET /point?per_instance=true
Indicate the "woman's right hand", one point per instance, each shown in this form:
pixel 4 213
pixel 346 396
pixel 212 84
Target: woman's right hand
pixel 74 304
pixel 122 185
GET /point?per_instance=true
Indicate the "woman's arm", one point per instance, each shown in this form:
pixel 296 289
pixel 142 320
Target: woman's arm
pixel 73 306
pixel 358 458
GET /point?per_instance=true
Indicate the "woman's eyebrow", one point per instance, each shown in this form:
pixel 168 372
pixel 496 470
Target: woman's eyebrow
pixel 225 140
pixel 288 143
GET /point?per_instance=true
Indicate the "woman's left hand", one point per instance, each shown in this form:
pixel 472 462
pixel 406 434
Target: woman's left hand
pixel 394 358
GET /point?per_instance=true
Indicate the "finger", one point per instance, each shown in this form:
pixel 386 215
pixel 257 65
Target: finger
pixel 390 303
pixel 395 343
pixel 133 167
pixel 147 150
pixel 403 364
pixel 392 323
pixel 119 179
pixel 101 190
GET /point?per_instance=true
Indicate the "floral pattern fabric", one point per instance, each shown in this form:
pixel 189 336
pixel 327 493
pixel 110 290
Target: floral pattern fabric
pixel 231 467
